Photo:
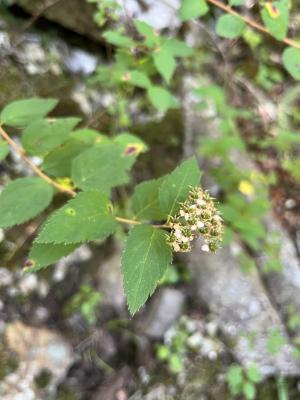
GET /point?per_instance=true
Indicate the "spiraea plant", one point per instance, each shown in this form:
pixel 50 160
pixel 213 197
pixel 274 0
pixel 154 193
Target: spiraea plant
pixel 86 166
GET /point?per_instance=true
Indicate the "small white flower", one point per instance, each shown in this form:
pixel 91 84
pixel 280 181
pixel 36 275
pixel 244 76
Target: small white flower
pixel 182 213
pixel 200 202
pixel 176 246
pixel 178 233
pixel 185 239
pixel 200 224
pixel 193 227
pixel 205 247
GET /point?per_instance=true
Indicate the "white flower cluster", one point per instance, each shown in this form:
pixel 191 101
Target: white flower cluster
pixel 197 216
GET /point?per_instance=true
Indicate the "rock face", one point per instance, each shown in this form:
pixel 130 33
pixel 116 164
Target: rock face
pixel 39 351
pixel 284 286
pixel 76 15
pixel 110 282
pixel 242 306
pixel 163 312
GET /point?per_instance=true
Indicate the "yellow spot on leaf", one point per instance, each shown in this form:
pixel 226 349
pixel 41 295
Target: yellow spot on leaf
pixel 65 182
pixel 246 188
pixel 70 211
pixel 272 10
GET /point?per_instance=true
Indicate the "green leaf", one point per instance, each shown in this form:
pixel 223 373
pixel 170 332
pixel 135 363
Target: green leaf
pixel 23 199
pixel 235 377
pixel 275 342
pixel 249 390
pixel 41 255
pixel 131 146
pixel 176 186
pixel 237 2
pixel 145 259
pixel 161 98
pixel 118 39
pixel 86 217
pixel 229 26
pixel 101 168
pixel 291 62
pixel 192 9
pixel 23 112
pixel 88 136
pixel 276 18
pixel 44 135
pixel 178 48
pixel 58 162
pixel 164 62
pixel 138 79
pixel 4 149
pixel 254 374
pixel 151 37
pixel 145 200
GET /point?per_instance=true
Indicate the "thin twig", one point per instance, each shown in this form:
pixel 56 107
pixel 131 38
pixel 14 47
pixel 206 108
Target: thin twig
pixel 250 22
pixel 28 161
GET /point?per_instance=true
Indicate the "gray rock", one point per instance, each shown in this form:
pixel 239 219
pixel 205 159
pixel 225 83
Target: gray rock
pixel 6 277
pixel 241 305
pixel 284 286
pixel 38 350
pixel 110 281
pixel 162 312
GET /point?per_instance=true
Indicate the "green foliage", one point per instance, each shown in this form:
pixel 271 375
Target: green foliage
pixel 86 301
pixel 275 341
pixel 4 149
pixel 174 352
pixel 276 18
pixel 93 168
pixel 42 136
pixel 164 62
pixel 161 98
pixel 176 186
pixel 229 26
pixel 145 201
pixel 86 217
pixel 192 9
pixel 24 112
pixel 291 61
pixel 243 381
pixel 22 200
pixel 43 254
pixel 145 259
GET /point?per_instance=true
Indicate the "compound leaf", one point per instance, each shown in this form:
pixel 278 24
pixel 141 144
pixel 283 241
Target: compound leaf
pixel 23 199
pixel 144 262
pixel 86 217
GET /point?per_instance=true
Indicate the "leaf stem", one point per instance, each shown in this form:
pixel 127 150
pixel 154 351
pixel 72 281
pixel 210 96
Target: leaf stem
pixel 51 182
pixel 250 22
